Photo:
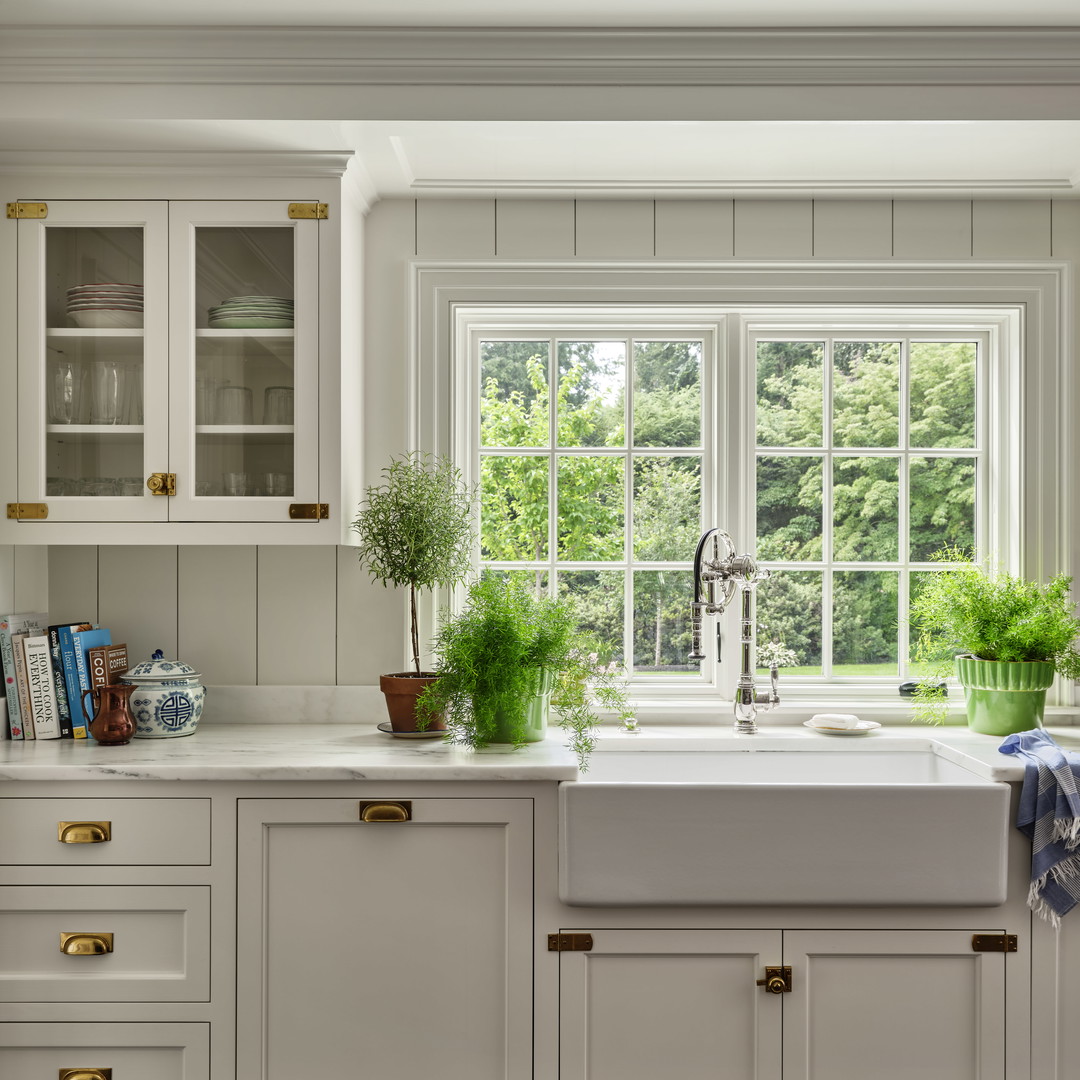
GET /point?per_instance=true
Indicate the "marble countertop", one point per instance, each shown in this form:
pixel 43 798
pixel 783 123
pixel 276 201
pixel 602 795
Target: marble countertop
pixel 311 751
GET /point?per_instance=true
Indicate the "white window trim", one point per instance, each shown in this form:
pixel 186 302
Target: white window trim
pixel 1029 417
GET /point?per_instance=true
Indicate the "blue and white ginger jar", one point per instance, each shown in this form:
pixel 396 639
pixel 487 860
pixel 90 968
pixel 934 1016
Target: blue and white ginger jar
pixel 168 699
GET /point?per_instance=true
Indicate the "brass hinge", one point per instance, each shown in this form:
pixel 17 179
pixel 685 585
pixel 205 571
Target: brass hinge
pixel 993 943
pixel 777 980
pixel 27 209
pixel 569 942
pixel 28 511
pixel 309 511
pixel 162 483
pixel 307 211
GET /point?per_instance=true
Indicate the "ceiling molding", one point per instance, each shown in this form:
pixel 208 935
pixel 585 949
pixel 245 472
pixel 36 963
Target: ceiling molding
pixel 536 57
pixel 285 164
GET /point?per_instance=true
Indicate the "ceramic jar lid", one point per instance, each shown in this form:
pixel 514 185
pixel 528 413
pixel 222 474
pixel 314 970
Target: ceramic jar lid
pixel 158 669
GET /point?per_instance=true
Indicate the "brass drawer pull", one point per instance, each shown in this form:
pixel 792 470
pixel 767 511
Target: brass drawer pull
pixel 85 1074
pixel 86 944
pixel 83 832
pixel 386 811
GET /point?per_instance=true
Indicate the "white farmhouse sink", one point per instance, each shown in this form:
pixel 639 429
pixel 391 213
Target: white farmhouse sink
pixel 761 826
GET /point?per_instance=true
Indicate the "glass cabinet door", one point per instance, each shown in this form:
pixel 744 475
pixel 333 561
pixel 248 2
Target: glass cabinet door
pixel 243 426
pixel 93 356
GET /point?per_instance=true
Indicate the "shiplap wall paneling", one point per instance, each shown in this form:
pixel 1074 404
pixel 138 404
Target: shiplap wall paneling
pixel 695 229
pixel 853 229
pixel 73 583
pixel 217 601
pixel 534 228
pixel 1011 229
pixel 1065 229
pixel 616 229
pixel 137 598
pixel 932 228
pixel 455 228
pixel 297 616
pixel 774 228
pixel 371 625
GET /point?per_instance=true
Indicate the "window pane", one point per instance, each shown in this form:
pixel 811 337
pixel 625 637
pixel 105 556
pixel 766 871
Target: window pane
pixel 865 622
pixel 514 393
pixel 591 508
pixel 597 596
pixel 513 508
pixel 866 393
pixel 789 393
pixel 789 508
pixel 865 509
pixel 662 637
pixel 789 612
pixel 942 505
pixel 667 508
pixel 942 387
pixel 592 393
pixel 667 393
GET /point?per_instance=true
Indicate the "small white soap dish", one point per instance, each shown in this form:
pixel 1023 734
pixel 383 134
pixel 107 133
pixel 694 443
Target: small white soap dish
pixel 840 724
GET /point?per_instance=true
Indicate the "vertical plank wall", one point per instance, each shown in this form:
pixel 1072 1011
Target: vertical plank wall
pixel 308 616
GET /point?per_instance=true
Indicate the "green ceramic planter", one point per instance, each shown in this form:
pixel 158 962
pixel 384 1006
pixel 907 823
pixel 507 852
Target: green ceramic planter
pixel 536 715
pixel 1004 697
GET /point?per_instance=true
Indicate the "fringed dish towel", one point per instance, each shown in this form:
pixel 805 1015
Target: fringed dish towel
pixel 1050 815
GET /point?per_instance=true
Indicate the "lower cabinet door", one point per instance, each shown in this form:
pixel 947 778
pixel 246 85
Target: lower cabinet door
pixel 105 1051
pixel 385 948
pixel 892 1005
pixel 678 1004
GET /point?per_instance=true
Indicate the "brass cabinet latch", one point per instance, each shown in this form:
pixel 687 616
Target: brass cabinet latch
pixel 307 211
pixel 777 980
pixel 993 943
pixel 162 483
pixel 569 942
pixel 27 209
pixel 309 511
pixel 27 511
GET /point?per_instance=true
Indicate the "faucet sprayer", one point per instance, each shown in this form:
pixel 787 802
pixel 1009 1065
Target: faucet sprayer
pixel 718 572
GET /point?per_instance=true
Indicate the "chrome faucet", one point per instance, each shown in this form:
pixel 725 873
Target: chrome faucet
pixel 718 572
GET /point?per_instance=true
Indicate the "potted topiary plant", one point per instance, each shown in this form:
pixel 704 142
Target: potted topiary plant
pixel 1007 637
pixel 509 656
pixel 416 530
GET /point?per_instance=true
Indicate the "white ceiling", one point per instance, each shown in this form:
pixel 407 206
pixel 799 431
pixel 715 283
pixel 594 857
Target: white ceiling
pixel 633 158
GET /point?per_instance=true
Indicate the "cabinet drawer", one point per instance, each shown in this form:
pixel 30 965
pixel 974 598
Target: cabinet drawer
pixel 142 1051
pixel 160 943
pixel 150 832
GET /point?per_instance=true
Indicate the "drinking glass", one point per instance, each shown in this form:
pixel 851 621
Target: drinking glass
pixel 278 405
pixel 277 483
pixel 236 483
pixel 62 391
pixel 106 392
pixel 233 405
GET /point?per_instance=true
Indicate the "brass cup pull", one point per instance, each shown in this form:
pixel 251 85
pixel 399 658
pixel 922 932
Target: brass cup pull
pixel 86 944
pixel 386 811
pixel 85 1074
pixel 83 832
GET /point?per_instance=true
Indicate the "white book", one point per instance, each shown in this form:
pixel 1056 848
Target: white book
pixel 42 688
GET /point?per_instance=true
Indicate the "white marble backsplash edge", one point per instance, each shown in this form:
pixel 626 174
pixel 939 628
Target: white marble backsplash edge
pixel 293 705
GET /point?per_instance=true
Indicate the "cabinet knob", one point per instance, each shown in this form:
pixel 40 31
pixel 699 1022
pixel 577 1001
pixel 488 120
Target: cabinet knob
pixel 86 944
pixel 773 985
pixel 777 980
pixel 385 811
pixel 85 1074
pixel 83 832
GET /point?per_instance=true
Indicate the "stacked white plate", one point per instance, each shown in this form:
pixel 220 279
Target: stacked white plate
pixel 109 305
pixel 252 313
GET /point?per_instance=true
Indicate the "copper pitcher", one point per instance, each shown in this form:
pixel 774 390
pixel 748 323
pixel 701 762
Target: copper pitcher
pixel 112 723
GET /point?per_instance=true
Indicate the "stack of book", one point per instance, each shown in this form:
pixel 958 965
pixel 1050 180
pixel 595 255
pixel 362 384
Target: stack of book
pixel 48 667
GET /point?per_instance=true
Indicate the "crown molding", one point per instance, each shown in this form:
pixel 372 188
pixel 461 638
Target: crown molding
pixel 957 56
pixel 298 165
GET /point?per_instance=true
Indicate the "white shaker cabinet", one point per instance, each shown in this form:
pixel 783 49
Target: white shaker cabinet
pixel 384 947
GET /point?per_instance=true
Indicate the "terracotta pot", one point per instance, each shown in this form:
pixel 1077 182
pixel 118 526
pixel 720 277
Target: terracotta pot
pixel 401 691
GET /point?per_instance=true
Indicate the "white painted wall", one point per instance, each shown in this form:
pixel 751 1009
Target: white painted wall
pixel 308 616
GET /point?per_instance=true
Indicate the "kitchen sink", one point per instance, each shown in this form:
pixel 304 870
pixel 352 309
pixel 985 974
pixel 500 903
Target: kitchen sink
pixel 734 826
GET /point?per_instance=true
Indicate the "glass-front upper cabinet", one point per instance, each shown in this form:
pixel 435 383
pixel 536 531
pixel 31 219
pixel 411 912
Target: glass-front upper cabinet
pixel 244 375
pixel 93 367
pixel 168 362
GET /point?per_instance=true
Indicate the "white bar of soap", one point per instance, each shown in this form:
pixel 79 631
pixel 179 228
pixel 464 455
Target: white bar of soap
pixel 835 720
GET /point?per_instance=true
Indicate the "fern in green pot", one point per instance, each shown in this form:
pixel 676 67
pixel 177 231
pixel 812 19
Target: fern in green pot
pixel 1008 638
pixel 507 658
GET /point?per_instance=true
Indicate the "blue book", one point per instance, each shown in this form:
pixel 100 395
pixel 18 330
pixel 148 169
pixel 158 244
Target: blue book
pixel 71 675
pixel 63 710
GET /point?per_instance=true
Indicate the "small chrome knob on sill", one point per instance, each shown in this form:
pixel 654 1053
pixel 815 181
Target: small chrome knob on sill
pixel 83 832
pixel 86 944
pixel 85 1074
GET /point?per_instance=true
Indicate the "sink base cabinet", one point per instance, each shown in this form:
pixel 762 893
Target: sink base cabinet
pixel 685 1003
pixel 402 948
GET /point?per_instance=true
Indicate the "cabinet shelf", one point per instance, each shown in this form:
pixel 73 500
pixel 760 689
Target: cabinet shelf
pixel 114 430
pixel 245 430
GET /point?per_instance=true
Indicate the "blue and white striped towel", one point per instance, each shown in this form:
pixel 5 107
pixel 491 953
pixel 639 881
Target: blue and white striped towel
pixel 1050 815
